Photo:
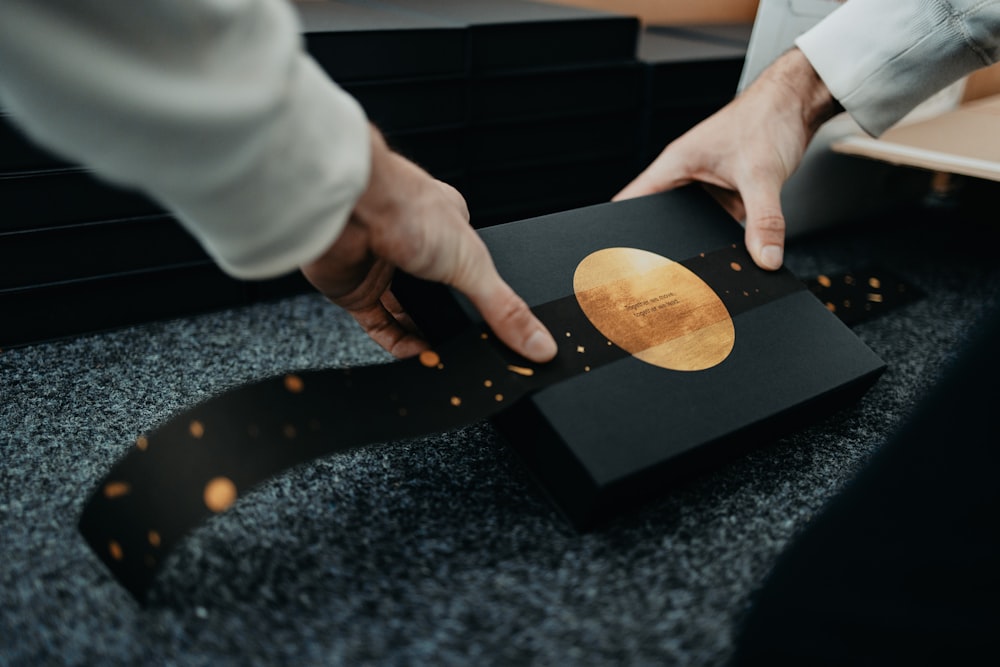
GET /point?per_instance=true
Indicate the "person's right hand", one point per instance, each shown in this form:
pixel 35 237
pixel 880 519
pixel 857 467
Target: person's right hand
pixel 410 220
pixel 746 151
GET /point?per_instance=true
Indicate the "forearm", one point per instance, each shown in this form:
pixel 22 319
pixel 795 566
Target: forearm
pixel 210 107
pixel 881 58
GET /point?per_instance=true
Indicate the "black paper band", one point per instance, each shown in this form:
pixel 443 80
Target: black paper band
pixel 200 461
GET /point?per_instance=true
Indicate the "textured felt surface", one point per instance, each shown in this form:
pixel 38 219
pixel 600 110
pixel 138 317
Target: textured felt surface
pixel 430 551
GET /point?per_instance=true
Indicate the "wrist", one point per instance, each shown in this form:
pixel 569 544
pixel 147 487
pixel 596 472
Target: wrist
pixel 804 88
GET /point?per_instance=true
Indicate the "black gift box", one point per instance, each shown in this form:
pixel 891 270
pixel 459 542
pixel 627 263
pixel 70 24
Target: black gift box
pixel 512 34
pixel 52 198
pixel 89 250
pixel 505 194
pixel 688 78
pixel 71 308
pixel 624 430
pixel 371 41
pixel 563 93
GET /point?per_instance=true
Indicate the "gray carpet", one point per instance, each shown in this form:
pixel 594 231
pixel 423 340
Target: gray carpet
pixel 432 551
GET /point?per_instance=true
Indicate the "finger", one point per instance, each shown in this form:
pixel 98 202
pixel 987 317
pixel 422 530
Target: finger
pixel 765 226
pixel 398 313
pixel 512 321
pixel 383 328
pixel 503 310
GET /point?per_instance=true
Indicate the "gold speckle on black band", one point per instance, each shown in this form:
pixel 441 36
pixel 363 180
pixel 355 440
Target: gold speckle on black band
pixel 294 384
pixel 220 494
pixel 116 489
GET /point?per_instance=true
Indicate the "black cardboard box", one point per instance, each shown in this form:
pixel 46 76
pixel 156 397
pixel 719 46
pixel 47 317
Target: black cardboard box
pixel 734 356
pixel 512 34
pixel 60 310
pixel 53 198
pixel 558 93
pixel 371 41
pixel 687 79
pixel 411 104
pixel 87 250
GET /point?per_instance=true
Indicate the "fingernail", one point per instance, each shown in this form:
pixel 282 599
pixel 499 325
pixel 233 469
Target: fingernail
pixel 771 256
pixel 540 346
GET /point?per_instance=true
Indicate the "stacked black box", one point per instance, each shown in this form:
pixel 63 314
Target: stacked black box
pixel 554 96
pixel 407 70
pixel 691 72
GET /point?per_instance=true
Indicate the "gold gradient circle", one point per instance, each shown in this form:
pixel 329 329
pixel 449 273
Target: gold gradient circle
pixel 654 308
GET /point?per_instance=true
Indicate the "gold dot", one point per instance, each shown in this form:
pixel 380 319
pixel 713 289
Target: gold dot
pixel 115 550
pixel 874 283
pixel 142 443
pixel 746 293
pixel 568 334
pixel 197 429
pixel 877 298
pixel 220 493
pixel 610 343
pixel 579 348
pixel 430 358
pixel 289 431
pixel 488 383
pixel 294 384
pixel 498 397
pixel 735 266
pixel 847 303
pixel 824 280
pixel 701 254
pixel 586 369
pixel 154 538
pixel 521 370
pixel 117 489
pixel 849 280
pixel 831 307
pixel 440 366
pixel 456 401
pixel 484 335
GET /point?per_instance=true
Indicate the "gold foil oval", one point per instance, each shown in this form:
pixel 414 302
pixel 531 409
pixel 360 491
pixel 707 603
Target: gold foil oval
pixel 654 308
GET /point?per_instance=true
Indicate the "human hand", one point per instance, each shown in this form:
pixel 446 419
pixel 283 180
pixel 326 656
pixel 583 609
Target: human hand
pixel 409 220
pixel 745 152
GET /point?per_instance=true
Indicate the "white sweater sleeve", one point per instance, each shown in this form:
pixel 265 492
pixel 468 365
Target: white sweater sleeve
pixel 881 58
pixel 212 107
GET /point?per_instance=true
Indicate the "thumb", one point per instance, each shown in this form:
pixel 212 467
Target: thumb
pixel 765 226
